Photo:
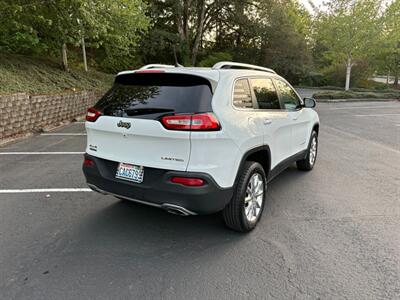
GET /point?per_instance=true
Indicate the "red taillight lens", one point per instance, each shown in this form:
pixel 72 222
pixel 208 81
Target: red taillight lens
pixel 188 181
pixel 199 122
pixel 88 162
pixel 92 114
pixel 205 122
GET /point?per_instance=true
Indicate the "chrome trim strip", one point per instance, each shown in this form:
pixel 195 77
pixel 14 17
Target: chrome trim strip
pixel 96 189
pixel 164 206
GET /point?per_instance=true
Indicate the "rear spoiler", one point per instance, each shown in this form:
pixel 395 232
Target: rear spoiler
pixel 212 76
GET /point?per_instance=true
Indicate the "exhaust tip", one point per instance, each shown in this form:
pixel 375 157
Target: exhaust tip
pixel 177 210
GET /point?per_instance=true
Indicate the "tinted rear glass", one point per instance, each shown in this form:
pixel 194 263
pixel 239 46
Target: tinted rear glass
pixel 150 95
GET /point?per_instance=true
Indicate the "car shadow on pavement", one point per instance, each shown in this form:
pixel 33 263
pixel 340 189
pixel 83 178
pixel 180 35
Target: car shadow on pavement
pixel 125 220
pixel 135 229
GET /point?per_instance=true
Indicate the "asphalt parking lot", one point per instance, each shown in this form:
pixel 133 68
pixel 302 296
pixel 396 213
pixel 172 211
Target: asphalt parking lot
pixel 330 233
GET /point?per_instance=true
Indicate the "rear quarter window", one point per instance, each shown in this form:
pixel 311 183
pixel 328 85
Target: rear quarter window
pixel 150 95
pixel 242 94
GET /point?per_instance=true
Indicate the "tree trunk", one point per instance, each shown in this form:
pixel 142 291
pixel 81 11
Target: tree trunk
pixel 185 18
pixel 84 53
pixel 199 31
pixel 182 23
pixel 349 65
pixel 64 57
pixel 218 34
pixel 397 67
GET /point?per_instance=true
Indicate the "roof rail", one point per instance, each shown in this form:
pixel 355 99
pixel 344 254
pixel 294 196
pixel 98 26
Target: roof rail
pixel 232 65
pixel 156 66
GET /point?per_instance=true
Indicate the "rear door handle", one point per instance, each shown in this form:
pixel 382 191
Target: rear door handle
pixel 267 121
pixel 295 118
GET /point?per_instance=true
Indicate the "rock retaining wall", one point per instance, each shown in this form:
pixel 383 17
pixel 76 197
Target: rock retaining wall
pixel 23 113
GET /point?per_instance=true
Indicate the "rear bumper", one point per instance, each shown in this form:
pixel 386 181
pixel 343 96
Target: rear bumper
pixel 156 188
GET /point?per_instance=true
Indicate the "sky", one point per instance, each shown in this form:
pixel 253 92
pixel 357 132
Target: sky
pixel 307 5
pixel 319 3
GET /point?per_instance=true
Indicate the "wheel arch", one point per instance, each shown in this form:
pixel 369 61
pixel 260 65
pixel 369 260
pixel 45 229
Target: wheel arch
pixel 316 128
pixel 261 154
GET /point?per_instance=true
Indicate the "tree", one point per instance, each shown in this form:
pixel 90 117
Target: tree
pixel 389 53
pixel 291 55
pixel 47 27
pixel 17 34
pixel 117 28
pixel 180 24
pixel 347 32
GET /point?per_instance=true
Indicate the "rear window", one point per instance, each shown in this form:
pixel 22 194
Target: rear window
pixel 150 95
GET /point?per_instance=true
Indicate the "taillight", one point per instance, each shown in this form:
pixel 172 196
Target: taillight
pixel 177 122
pixel 188 181
pixel 197 122
pixel 92 114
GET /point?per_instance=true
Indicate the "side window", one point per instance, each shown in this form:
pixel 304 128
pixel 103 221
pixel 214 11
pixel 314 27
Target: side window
pixel 242 94
pixel 266 95
pixel 289 98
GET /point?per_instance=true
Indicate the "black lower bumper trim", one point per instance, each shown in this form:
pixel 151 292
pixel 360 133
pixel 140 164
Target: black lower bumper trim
pixel 157 189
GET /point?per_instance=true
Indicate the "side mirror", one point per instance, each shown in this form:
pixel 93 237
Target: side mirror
pixel 309 102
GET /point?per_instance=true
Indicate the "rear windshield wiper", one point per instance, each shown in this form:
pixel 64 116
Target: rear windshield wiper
pixel 146 111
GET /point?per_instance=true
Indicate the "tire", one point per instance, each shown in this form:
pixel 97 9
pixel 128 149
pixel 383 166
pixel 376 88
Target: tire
pixel 308 163
pixel 245 209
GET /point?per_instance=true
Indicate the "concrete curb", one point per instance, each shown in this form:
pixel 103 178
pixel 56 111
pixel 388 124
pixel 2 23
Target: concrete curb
pixel 355 100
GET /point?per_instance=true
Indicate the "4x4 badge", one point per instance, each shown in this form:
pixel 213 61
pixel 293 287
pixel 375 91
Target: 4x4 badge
pixel 126 125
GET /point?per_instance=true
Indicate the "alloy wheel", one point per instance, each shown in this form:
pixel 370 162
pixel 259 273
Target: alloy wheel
pixel 313 150
pixel 254 197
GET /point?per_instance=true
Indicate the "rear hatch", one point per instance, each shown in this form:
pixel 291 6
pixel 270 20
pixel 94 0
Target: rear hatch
pixel 141 119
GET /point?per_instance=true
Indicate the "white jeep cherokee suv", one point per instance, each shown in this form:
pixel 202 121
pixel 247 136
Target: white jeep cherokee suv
pixel 199 140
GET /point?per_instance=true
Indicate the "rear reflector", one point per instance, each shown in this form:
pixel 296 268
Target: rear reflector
pixel 188 181
pixel 92 114
pixel 197 122
pixel 88 162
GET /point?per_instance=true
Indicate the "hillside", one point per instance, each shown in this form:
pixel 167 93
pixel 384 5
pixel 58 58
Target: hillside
pixel 37 76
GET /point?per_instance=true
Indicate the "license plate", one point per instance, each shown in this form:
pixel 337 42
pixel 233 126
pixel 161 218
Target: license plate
pixel 130 172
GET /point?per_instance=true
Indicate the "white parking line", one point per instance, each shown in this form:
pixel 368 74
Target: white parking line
pixel 377 115
pixel 65 190
pixel 62 134
pixel 40 153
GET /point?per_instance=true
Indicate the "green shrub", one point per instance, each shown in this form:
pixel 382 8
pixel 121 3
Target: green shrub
pixel 378 89
pixel 335 75
pixel 215 57
pixel 356 95
pixel 313 79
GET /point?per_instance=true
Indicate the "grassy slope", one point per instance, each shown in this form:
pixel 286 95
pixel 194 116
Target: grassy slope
pixel 38 76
